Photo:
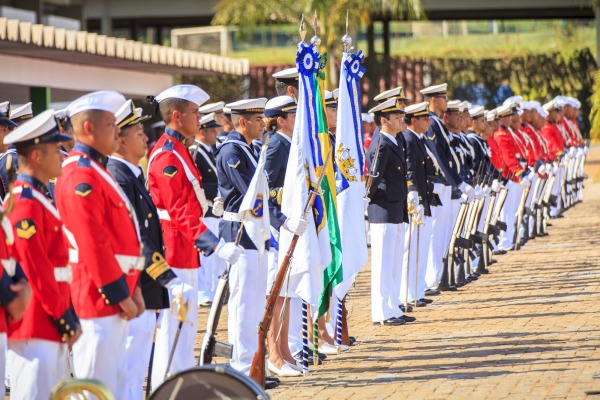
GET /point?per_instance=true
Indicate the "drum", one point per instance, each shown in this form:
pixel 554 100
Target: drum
pixel 209 382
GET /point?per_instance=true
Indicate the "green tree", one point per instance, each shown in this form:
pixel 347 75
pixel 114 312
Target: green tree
pixel 331 16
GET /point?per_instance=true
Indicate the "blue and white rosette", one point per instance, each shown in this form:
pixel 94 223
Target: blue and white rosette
pixel 355 71
pixel 307 62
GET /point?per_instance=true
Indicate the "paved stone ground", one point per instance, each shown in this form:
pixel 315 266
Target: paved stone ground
pixel 528 330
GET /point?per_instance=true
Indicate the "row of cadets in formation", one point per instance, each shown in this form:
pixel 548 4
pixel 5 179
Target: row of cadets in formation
pixel 141 248
pixel 426 157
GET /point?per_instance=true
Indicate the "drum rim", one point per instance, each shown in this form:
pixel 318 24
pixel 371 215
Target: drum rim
pixel 223 369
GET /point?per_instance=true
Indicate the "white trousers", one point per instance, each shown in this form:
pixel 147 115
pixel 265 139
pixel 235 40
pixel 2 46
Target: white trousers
pixel 415 278
pixel 556 190
pixel 210 267
pixel 508 214
pixel 247 287
pixel 439 238
pixel 183 357
pixel 387 252
pixel 100 352
pixel 36 366
pixel 139 346
pixel 530 197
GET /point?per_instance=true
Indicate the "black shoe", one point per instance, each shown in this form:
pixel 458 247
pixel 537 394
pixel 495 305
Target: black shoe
pixel 461 283
pixel 432 292
pixel 270 383
pixel 298 357
pixel 472 277
pixel 391 322
pixel 498 252
pixel 351 340
pixel 421 303
pixel 408 318
pixel 410 308
pixel 492 261
pixel 445 288
pixel 426 301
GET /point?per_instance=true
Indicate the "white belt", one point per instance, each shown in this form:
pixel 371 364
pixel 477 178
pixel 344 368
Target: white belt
pixel 233 217
pixel 10 266
pixel 63 274
pixel 127 263
pixel 163 214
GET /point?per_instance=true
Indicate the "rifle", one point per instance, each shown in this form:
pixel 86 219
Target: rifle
pixel 466 243
pixel 212 347
pixel 372 173
pixel 485 237
pixel 257 369
pixel 520 212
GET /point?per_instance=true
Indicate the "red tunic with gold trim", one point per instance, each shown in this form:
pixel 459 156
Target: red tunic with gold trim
pixel 510 152
pixel 102 232
pixel 495 153
pixel 41 250
pixel 554 140
pixel 171 173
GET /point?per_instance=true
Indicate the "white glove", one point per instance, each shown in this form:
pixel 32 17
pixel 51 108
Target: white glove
pixel 586 150
pixel 478 192
pixel 555 170
pixel 217 208
pixel 487 190
pixel 419 213
pixel 413 197
pixel 542 169
pixel 296 225
pixel 580 153
pixel 437 188
pixel 525 180
pixel 176 287
pixel 572 152
pixel 366 202
pixel 496 185
pixel 466 188
pixel 229 251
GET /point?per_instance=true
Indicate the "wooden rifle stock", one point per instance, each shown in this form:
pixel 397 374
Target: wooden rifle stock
pixel 257 369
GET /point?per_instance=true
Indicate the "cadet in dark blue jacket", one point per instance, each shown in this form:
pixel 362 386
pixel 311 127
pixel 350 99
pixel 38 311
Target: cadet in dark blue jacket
pixel 387 212
pixel 423 194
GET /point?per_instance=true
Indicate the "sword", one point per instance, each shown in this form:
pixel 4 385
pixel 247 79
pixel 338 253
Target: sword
pixel 179 312
pixel 410 222
pixel 151 364
pixel 372 173
pixel 417 222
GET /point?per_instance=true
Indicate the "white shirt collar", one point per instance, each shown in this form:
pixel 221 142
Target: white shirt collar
pixel 283 135
pixel 136 170
pixel 392 138
pixel 418 135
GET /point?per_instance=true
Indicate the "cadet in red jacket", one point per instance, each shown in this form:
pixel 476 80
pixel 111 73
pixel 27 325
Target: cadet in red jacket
pixel 511 155
pixel 550 132
pixel 495 153
pixel 104 242
pixel 178 194
pixel 38 344
pixel 15 292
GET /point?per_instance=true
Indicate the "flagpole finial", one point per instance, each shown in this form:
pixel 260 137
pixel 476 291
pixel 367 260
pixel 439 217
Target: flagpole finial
pixel 316 40
pixel 302 29
pixel 346 39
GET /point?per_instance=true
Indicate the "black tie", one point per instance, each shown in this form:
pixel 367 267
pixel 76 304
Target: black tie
pixel 141 177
